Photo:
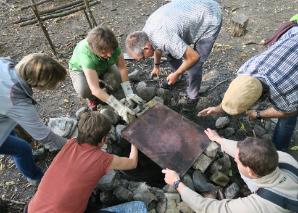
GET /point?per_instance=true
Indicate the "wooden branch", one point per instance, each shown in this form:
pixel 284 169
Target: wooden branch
pixel 88 20
pixel 38 3
pixel 58 9
pixel 14 201
pixel 35 11
pixel 62 14
pixel 90 13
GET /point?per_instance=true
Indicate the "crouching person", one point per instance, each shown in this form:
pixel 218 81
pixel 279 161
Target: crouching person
pixel 75 171
pixel 272 177
pixel 17 106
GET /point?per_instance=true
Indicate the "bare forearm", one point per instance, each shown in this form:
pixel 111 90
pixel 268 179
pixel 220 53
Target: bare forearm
pixel 134 155
pixel 100 94
pixel 273 113
pixel 157 56
pixel 122 68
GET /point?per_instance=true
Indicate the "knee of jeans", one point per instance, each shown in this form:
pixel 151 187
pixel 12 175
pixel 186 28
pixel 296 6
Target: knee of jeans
pixel 139 204
pixel 24 150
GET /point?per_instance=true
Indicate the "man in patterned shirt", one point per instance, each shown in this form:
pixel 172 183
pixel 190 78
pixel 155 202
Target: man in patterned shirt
pixel 273 73
pixel 171 30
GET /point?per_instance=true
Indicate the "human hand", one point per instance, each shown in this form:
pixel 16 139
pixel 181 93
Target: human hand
pixel 172 78
pixel 155 72
pixel 212 135
pixel 252 114
pixel 170 176
pixel 210 111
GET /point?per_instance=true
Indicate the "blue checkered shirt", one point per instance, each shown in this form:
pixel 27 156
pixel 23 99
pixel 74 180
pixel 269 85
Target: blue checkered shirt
pixel 175 25
pixel 277 67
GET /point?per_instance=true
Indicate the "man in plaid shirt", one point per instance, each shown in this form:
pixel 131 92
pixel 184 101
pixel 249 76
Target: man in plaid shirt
pixel 273 73
pixel 171 30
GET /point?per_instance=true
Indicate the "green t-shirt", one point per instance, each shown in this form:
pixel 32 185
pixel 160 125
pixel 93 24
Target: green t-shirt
pixel 84 58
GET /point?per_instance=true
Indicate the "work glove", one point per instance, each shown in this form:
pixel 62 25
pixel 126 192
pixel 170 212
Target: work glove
pixel 130 96
pixel 127 114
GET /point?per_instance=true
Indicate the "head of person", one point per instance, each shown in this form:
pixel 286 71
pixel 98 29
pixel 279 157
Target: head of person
pixel 243 93
pixel 41 71
pixel 93 128
pixel 102 41
pixel 255 157
pixel 138 45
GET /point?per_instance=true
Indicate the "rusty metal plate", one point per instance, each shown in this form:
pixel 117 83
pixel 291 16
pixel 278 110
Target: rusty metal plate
pixel 167 138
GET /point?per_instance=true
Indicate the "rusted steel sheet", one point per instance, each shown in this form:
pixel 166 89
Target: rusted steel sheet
pixel 167 138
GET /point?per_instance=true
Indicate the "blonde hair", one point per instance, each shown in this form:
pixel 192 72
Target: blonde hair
pixel 40 70
pixel 101 38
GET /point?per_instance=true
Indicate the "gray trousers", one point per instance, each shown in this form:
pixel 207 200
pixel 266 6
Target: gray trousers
pixel 111 79
pixel 194 74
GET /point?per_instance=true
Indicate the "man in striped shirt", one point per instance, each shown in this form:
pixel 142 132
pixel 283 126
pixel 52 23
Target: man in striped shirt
pixel 273 73
pixel 170 30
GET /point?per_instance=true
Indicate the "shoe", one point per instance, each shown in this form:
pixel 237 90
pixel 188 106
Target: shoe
pixel 39 154
pixel 190 105
pixel 92 105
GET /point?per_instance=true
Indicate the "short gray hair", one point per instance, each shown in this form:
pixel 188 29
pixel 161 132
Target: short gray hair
pixel 135 41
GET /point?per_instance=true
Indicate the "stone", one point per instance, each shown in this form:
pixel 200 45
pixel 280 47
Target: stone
pixel 212 149
pixel 222 164
pixel 173 196
pixel 259 130
pixel 135 75
pixel 200 182
pixel 204 89
pixel 62 126
pixel 169 189
pixel 107 181
pixel 184 208
pixel 239 24
pixel 220 179
pixel 267 137
pixel 147 197
pixel 202 163
pixel 110 115
pixel 161 206
pixel 163 93
pixel 152 211
pixel 229 131
pixel 123 194
pixel 171 207
pixel 107 198
pixel 186 179
pixel 222 122
pixel 232 191
pixel 211 75
pixel 80 111
pixel 145 92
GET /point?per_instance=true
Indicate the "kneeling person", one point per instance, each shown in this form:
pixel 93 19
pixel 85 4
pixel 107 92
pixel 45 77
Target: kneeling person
pixel 75 171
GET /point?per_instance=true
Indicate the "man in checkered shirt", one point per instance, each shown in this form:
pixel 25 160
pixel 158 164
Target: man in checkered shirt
pixel 170 30
pixel 273 73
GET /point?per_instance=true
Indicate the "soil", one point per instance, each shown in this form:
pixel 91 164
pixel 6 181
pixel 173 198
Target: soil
pixel 124 17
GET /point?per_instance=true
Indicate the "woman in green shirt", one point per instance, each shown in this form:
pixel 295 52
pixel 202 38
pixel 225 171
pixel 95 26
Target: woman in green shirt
pixel 98 58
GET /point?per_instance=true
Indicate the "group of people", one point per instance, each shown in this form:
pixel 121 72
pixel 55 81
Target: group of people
pixel 184 31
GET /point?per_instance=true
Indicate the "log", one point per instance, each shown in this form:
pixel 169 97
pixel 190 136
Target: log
pixel 90 13
pixel 62 14
pixel 38 3
pixel 54 10
pixel 239 24
pixel 35 11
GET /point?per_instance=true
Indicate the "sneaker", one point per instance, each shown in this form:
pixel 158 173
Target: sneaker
pixel 92 105
pixel 190 105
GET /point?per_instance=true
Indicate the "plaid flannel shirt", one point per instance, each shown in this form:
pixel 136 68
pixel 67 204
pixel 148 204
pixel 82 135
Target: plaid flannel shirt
pixel 175 25
pixel 277 67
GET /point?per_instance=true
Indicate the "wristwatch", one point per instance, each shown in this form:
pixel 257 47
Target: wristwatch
pixel 258 116
pixel 176 184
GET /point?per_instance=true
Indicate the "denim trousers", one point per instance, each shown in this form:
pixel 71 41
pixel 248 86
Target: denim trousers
pixel 130 207
pixel 21 152
pixel 283 132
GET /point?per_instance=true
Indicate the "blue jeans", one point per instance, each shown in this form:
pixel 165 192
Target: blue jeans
pixel 130 207
pixel 21 152
pixel 283 132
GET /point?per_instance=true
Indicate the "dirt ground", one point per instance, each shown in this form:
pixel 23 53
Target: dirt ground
pixel 122 17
